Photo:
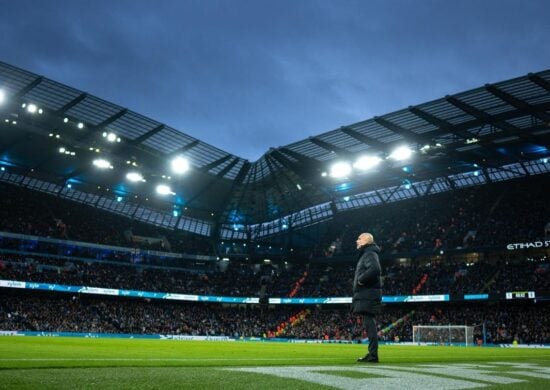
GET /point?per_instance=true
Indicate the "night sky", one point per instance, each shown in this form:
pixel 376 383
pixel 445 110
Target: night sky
pixel 245 76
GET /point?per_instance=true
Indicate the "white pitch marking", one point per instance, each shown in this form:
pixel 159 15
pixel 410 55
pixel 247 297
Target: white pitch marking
pixel 391 379
pixel 460 371
pixel 527 369
pixel 161 359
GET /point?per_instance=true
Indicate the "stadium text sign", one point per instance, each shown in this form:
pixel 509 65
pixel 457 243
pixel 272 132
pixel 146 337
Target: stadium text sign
pixel 527 245
pixel 426 377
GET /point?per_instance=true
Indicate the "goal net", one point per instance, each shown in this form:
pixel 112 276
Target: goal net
pixel 443 334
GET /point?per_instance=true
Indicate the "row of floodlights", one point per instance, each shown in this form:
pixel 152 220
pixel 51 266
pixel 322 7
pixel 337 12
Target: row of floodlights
pixel 364 163
pixel 34 109
pixel 179 165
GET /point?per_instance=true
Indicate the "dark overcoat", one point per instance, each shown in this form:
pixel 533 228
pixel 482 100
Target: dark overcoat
pixel 367 284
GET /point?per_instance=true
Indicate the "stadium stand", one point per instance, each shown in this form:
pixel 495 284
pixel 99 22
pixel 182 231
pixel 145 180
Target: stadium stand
pixel 280 227
pixel 61 313
pixel 40 214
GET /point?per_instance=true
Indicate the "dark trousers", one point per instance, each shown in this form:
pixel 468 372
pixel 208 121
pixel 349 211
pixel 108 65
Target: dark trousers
pixel 372 333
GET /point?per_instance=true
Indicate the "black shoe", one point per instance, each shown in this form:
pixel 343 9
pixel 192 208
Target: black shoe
pixel 368 359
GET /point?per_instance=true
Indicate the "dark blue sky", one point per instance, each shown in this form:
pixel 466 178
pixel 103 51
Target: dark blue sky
pixel 248 75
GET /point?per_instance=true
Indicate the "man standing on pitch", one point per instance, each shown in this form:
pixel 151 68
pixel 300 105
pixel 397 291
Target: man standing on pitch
pixel 367 291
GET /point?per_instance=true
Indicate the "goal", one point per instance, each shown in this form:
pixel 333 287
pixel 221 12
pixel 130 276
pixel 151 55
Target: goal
pixel 443 334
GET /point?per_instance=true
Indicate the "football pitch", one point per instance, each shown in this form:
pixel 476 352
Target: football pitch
pixel 63 363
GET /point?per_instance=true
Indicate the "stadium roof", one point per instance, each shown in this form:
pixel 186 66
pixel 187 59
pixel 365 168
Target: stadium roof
pixel 494 132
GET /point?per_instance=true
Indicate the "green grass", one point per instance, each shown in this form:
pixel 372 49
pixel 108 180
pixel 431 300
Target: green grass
pixel 42 362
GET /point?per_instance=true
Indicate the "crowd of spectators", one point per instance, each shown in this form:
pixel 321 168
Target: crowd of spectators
pixel 503 323
pixel 235 280
pixel 306 280
pixel 86 314
pixel 35 213
pixel 490 215
pixel 484 216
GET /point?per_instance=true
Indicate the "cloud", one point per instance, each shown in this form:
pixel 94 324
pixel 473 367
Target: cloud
pixel 249 75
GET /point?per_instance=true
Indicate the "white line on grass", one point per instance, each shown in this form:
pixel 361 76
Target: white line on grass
pixel 159 359
pixel 248 359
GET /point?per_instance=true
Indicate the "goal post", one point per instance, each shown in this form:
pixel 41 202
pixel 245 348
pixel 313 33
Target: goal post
pixel 443 334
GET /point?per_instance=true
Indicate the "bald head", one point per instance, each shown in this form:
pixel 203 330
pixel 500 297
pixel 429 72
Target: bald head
pixel 364 239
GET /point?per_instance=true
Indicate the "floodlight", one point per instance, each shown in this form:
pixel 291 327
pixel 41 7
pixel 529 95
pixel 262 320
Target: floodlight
pixel 102 164
pixel 163 189
pixel 62 150
pixel 180 165
pixel 111 137
pixel 401 153
pixel 32 108
pixel 340 169
pixel 367 162
pixel 134 176
pixel 80 125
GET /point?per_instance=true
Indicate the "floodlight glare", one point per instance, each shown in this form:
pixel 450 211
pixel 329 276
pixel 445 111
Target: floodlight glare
pixel 111 137
pixel 180 165
pixel 401 153
pixel 62 150
pixel 2 96
pixel 102 164
pixel 340 169
pixel 163 189
pixel 134 176
pixel 80 125
pixel 367 162
pixel 32 108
